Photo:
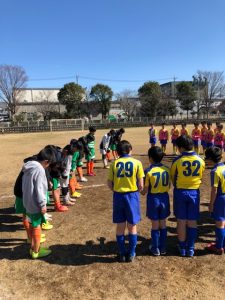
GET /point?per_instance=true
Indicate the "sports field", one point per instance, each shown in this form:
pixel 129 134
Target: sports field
pixel 83 264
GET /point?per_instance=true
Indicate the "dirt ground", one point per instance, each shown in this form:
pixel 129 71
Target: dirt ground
pixel 83 264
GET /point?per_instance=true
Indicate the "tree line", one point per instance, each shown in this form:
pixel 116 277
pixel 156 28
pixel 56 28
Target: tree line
pixel 150 100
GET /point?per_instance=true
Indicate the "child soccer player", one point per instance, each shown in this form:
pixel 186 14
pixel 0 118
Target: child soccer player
pixel 203 135
pixel 184 130
pixel 209 135
pixel 152 135
pixel 157 185
pixel 196 135
pixel 217 199
pixel 186 174
pixel 163 137
pixel 174 135
pixel 104 147
pixel 219 137
pixel 115 139
pixel 35 188
pixel 125 179
pixel 90 138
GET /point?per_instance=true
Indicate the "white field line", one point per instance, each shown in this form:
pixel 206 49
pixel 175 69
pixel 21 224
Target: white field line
pixel 84 187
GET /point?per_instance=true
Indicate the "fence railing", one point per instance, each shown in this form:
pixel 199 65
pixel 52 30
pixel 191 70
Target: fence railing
pixel 80 124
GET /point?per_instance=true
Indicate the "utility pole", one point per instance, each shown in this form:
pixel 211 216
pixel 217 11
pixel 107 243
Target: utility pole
pixel 173 91
pixel 77 78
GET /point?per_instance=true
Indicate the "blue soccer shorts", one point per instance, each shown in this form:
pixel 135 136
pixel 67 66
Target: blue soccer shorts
pixel 203 143
pixel 186 204
pixel 163 142
pixel 126 207
pixel 174 142
pixel 152 140
pixel 158 206
pixel 209 145
pixel 196 143
pixel 219 208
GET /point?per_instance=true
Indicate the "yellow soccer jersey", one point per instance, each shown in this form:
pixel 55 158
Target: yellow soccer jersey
pixel 218 178
pixel 157 179
pixel 124 173
pixel 187 170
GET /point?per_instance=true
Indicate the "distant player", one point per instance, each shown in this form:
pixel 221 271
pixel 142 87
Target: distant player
pixel 125 179
pixel 196 136
pixel 157 185
pixel 219 137
pixel 115 139
pixel 105 147
pixel 184 130
pixel 152 135
pixel 186 173
pixel 90 156
pixel 209 135
pixel 163 137
pixel 203 135
pixel 217 199
pixel 174 135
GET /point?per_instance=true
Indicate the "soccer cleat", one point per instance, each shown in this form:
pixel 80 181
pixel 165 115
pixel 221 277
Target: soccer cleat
pixel 212 248
pixel 82 179
pixel 154 251
pixel 106 167
pixel 61 208
pixel 92 174
pixel 76 195
pixel 41 253
pixel 182 251
pixel 42 240
pixel 46 248
pixel 121 258
pixel 68 203
pixel 190 252
pixel 163 251
pixel 130 258
pixel 46 226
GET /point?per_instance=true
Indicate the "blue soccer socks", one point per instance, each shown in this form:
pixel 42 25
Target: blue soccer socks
pixel 121 244
pixel 155 234
pixel 162 240
pixel 191 237
pixel 220 237
pixel 132 244
pixel 182 248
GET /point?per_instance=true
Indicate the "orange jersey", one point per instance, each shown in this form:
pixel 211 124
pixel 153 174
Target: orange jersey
pixel 184 131
pixel 219 138
pixel 196 134
pixel 163 134
pixel 175 133
pixel 210 136
pixel 203 133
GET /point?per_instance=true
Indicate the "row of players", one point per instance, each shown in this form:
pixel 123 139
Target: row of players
pixel 125 179
pixel 206 136
pixel 60 166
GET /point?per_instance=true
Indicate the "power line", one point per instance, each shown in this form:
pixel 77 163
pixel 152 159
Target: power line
pixel 97 79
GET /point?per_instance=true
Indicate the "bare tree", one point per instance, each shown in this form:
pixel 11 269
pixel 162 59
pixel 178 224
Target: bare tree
pixel 46 106
pixel 128 102
pixel 215 87
pixel 12 80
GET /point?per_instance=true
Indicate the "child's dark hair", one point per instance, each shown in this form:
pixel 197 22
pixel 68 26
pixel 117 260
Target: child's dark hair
pixel 163 124
pixel 185 142
pixel 112 132
pixel 121 130
pixel 184 124
pixel 156 154
pixel 124 147
pixel 203 122
pixel 46 154
pixel 92 128
pixel 214 154
pixel 196 123
pixel 209 123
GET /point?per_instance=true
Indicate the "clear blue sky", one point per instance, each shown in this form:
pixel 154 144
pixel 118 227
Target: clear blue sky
pixel 133 40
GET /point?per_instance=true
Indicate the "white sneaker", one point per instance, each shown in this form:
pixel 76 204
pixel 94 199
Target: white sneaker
pixel 83 179
pixel 48 217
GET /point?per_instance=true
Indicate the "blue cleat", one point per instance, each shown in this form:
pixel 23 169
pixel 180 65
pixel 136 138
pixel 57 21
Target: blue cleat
pixel 154 251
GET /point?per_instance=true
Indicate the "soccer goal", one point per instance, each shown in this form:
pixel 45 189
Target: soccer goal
pixel 60 123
